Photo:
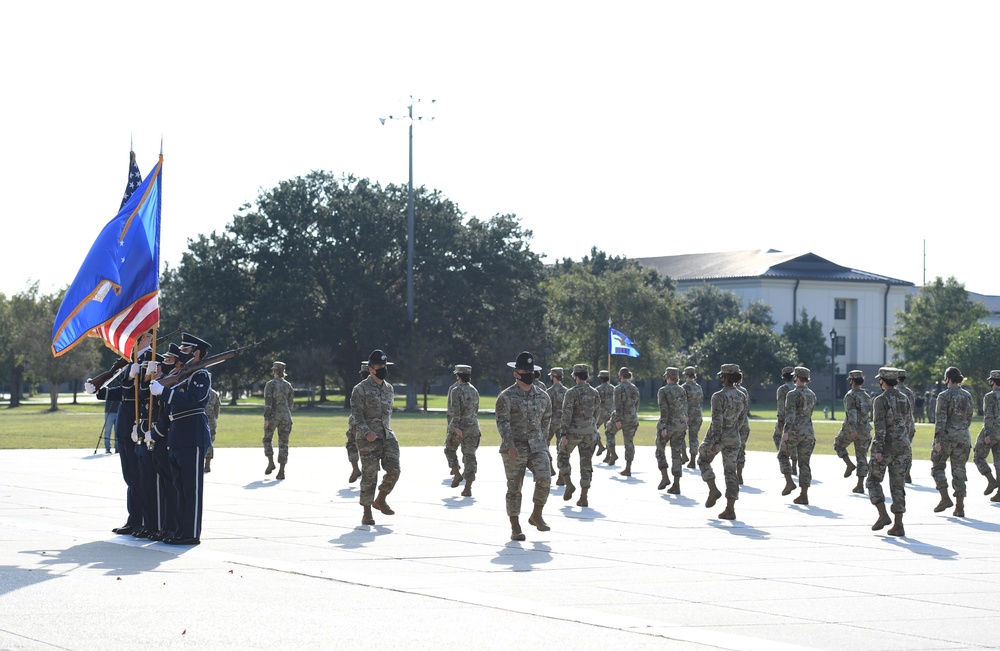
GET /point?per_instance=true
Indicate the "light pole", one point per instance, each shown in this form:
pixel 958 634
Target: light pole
pixel 411 389
pixel 833 367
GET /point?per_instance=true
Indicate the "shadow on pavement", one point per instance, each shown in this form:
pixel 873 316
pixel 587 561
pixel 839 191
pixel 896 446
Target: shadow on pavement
pixel 523 556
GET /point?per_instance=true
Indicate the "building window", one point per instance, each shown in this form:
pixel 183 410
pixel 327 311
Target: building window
pixel 841 346
pixel 840 309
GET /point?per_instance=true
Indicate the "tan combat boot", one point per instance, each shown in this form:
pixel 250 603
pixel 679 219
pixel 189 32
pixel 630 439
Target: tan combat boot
pixel 281 472
pixel 270 465
pixel 515 529
pixel 897 528
pixel 991 485
pixel 730 512
pixel 789 485
pixel 676 488
pixel 803 497
pixel 381 505
pixel 467 492
pixel 457 476
pixel 713 493
pixel 628 470
pixel 945 502
pixel 860 488
pixel 850 467
pixel 570 488
pixel 536 520
pixel 355 472
pixel 664 479
pixel 959 506
pixel 883 518
pixel 367 518
pixel 583 497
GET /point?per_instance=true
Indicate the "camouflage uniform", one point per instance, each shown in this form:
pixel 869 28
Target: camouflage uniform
pixel 523 417
pixel 695 400
pixel 672 426
pixel 212 410
pixel 556 393
pixel 581 409
pixel 780 396
pixel 799 405
pixel 856 430
pixel 912 426
pixel 463 414
pixel 991 428
pixel 278 399
pixel 741 460
pixel 351 436
pixel 627 412
pixel 371 409
pixel 607 393
pixel 951 431
pixel 890 412
pixel 729 409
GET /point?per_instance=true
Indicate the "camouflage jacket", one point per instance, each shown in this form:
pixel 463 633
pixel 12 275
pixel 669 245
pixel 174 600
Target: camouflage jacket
pixel 522 417
pixel 371 409
pixel 729 416
pixel 278 399
pixel 463 408
pixel 799 405
pixel 581 408
pixel 857 412
pixel 672 399
pixel 954 411
pixel 890 413
pixel 627 403
pixel 695 398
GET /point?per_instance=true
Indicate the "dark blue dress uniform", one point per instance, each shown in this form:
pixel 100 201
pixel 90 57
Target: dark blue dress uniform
pixel 165 495
pixel 126 450
pixel 187 440
pixel 144 463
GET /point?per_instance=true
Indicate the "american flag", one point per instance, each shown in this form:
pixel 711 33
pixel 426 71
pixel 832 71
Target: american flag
pixel 134 178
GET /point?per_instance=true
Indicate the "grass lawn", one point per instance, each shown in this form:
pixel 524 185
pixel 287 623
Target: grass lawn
pixel 241 426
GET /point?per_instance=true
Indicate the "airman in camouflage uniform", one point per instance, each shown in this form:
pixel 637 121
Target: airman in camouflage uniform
pixel 371 408
pixel 672 428
pixel 988 440
pixel 952 440
pixel 607 392
pixel 912 426
pixel 279 398
pixel 729 409
pixel 524 414
pixel 695 399
pixel 787 374
pixel 798 434
pixel 626 415
pixel 581 408
pixel 556 393
pixel 855 430
pixel 890 450
pixel 741 460
pixel 463 427
pixel 212 410
pixel 351 435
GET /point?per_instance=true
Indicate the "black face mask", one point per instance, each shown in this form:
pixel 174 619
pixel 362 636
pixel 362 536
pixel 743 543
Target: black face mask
pixel 380 373
pixel 527 378
pixel 184 357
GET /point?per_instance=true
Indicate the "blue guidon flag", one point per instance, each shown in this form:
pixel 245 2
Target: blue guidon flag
pixel 620 344
pixel 115 295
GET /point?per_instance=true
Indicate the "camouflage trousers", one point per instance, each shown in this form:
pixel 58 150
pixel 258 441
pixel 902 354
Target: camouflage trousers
pixel 284 432
pixel 352 447
pixel 802 446
pixel 534 457
pixel 861 441
pixel 983 450
pixel 730 449
pixel 955 447
pixel 585 442
pixel 779 427
pixel 604 422
pixel 676 441
pixel 469 442
pixel 210 452
pixel 896 463
pixel 628 433
pixel 741 460
pixel 693 428
pixel 373 453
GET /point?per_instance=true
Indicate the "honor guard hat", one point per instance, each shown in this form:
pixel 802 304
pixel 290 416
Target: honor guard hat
pixel 556 371
pixel 525 362
pixel 581 368
pixel 172 351
pixel 378 357
pixel 802 372
pixel 462 368
pixel 188 339
pixel 856 375
pixel 672 372
pixel 690 371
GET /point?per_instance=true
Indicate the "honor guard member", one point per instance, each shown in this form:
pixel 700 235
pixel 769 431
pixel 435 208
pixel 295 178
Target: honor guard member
pixel 952 440
pixel 371 408
pixel 126 434
pixel 798 435
pixel 352 444
pixel 725 435
pixel 144 448
pixel 855 430
pixel 788 375
pixel 463 428
pixel 626 416
pixel 912 426
pixel 212 411
pixel 988 440
pixel 166 494
pixel 524 414
pixel 279 399
pixel 671 428
pixel 556 394
pixel 695 399
pixel 607 393
pixel 188 438
pixel 581 408
pixel 890 451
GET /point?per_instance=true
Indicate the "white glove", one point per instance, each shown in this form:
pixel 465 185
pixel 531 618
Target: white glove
pixel 133 370
pixel 155 388
pixel 148 438
pixel 135 433
pixel 89 387
pixel 151 369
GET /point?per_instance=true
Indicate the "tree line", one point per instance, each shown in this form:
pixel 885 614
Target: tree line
pixel 314 271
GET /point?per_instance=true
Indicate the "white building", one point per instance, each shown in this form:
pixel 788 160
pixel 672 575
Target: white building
pixel 860 306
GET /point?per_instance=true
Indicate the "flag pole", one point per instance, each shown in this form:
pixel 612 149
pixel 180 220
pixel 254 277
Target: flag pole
pixel 152 360
pixel 609 347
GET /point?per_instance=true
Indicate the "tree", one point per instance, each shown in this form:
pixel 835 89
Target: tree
pixel 806 335
pixel 931 319
pixel 976 351
pixel 758 312
pixel 756 348
pixel 705 306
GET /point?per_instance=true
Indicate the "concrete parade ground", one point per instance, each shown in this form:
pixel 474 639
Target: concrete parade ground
pixel 287 565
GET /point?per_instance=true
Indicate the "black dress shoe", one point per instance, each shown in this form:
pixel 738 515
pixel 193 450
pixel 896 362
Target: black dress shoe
pixel 141 533
pixel 124 531
pixel 156 535
pixel 182 541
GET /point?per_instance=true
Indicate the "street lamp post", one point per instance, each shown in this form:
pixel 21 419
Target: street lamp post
pixel 833 367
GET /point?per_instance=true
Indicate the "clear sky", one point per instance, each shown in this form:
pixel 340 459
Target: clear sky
pixel 854 130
